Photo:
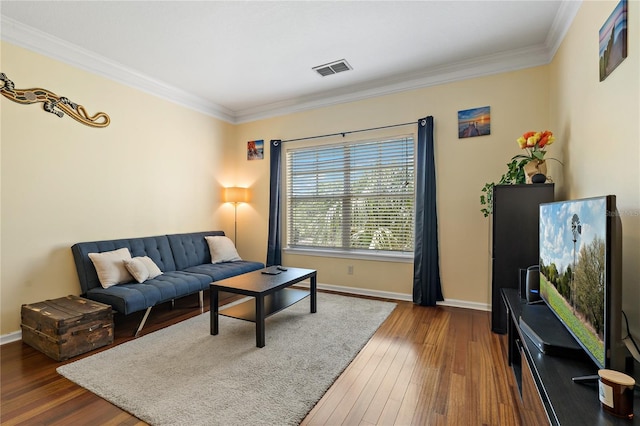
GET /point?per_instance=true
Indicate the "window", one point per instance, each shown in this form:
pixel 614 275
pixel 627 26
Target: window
pixel 353 196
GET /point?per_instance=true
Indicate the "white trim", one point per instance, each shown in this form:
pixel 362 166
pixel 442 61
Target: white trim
pixel 397 296
pixel 234 303
pixel 43 43
pixel 476 306
pixel 345 254
pixel 361 291
pixel 11 337
pixel 563 20
pixel 38 41
pixel 473 68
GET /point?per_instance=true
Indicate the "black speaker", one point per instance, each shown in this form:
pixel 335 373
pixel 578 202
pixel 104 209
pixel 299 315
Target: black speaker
pixel 533 284
pixel 522 273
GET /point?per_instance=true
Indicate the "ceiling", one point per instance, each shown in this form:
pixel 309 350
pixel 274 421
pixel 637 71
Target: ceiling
pixel 245 60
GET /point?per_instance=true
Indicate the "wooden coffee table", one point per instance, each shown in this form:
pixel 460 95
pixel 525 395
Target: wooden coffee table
pixel 270 292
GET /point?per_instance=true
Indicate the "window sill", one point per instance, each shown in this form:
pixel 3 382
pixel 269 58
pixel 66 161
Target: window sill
pixel 347 254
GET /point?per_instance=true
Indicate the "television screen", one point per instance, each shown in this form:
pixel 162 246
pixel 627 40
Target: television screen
pixel 580 270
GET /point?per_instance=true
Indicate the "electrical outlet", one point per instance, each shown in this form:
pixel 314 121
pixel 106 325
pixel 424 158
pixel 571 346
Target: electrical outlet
pixel 350 270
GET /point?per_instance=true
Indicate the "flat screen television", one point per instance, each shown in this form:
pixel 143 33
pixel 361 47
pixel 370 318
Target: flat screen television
pixel 581 273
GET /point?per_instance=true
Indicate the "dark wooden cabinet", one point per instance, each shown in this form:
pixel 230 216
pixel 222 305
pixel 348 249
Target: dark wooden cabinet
pixel 514 240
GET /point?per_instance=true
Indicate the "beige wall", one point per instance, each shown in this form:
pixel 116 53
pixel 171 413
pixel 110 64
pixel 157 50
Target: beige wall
pixel 600 125
pixel 156 169
pixel 63 182
pixel 519 102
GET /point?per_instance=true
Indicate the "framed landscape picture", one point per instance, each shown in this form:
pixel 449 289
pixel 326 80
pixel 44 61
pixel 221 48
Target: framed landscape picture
pixel 474 122
pixel 613 40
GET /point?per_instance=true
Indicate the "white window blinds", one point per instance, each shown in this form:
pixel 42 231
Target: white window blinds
pixel 352 196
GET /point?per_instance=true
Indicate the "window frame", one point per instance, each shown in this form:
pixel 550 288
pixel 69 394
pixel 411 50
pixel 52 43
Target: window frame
pixel 362 254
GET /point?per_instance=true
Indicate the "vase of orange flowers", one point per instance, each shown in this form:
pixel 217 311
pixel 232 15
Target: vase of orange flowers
pixel 535 144
pixel 523 168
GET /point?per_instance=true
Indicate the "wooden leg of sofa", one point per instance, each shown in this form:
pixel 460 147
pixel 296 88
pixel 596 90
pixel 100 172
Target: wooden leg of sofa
pixel 201 295
pixel 144 319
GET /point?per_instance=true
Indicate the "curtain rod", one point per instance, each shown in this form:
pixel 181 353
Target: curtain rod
pixel 346 133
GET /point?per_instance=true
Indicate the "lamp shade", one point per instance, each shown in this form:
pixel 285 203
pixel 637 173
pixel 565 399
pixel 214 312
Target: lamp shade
pixel 236 194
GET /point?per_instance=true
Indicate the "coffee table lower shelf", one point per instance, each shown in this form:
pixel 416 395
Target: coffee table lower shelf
pixel 273 303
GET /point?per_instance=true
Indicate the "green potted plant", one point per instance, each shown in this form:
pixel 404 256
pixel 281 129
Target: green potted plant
pixel 514 175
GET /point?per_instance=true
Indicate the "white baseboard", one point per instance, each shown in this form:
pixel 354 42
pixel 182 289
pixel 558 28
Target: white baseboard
pixel 362 291
pixel 399 296
pixel 466 304
pixel 11 337
pixel 17 335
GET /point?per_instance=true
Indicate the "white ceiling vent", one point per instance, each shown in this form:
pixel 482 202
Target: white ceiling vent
pixel 332 68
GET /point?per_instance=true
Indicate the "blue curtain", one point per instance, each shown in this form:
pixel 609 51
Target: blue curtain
pixel 426 263
pixel 274 244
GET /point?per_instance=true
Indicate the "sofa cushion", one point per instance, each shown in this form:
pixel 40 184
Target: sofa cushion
pixel 220 271
pixel 222 249
pixel 126 298
pixel 110 267
pixel 157 248
pixel 191 249
pixel 133 297
pixel 175 284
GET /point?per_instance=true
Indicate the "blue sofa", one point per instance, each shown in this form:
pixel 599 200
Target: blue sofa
pixel 185 262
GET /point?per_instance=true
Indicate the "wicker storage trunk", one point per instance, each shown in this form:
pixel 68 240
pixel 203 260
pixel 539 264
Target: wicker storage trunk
pixel 65 327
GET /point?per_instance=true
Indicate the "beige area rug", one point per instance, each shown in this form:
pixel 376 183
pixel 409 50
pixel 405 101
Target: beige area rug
pixel 181 375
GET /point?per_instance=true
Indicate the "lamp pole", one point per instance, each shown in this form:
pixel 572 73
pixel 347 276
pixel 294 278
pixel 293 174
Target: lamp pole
pixel 235 224
pixel 236 195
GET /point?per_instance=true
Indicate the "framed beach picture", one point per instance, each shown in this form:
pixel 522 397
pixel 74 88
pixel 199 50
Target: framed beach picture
pixel 474 122
pixel 613 40
pixel 255 150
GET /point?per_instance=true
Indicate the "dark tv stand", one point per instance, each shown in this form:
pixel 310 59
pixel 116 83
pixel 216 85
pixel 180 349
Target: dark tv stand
pixel 548 393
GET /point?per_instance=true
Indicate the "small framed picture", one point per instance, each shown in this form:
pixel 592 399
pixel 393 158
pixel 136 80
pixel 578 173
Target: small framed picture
pixel 474 122
pixel 255 150
pixel 613 40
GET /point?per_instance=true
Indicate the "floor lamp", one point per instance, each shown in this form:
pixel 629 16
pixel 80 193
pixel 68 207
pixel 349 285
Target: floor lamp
pixel 236 195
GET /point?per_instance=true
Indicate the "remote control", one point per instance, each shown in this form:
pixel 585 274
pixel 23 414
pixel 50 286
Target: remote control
pixel 281 268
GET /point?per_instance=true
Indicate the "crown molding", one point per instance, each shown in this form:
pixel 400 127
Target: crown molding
pixel 479 67
pixel 45 44
pixel 473 68
pixel 563 20
pixel 38 41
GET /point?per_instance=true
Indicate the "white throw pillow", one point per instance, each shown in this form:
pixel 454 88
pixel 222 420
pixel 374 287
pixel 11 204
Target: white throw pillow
pixel 110 267
pixel 222 249
pixel 142 268
pixel 137 269
pixel 153 269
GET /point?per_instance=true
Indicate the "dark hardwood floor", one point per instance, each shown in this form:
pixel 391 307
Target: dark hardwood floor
pixel 424 366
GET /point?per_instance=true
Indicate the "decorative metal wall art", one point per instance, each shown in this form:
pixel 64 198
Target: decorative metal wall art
pixel 52 103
